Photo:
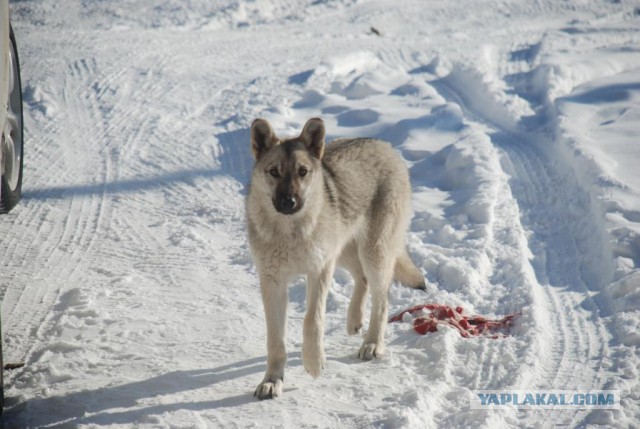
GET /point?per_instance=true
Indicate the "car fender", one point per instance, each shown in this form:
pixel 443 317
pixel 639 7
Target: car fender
pixel 5 46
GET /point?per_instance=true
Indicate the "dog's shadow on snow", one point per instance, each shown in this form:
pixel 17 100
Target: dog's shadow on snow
pixel 122 404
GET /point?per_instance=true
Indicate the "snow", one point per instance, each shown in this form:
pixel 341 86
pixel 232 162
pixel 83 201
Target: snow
pixel 128 287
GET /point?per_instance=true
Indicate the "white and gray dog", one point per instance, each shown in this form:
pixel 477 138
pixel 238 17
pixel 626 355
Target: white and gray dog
pixel 311 206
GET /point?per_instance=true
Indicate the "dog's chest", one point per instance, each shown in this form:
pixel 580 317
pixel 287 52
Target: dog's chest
pixel 294 252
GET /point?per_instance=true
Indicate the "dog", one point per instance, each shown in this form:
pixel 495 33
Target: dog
pixel 312 206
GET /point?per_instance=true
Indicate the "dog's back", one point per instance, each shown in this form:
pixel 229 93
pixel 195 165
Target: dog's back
pixel 365 173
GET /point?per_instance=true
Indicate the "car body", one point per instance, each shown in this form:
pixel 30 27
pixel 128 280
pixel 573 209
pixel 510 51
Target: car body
pixel 11 124
pixel 5 58
pixel 11 129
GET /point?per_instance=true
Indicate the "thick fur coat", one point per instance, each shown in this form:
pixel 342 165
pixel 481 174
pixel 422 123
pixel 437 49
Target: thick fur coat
pixel 311 207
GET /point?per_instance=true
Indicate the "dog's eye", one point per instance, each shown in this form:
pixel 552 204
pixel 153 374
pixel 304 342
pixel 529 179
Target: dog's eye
pixel 302 171
pixel 274 172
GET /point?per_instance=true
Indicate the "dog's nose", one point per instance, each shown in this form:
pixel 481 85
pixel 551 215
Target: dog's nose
pixel 288 202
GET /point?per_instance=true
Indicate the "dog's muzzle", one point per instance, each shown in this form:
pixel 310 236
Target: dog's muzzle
pixel 287 204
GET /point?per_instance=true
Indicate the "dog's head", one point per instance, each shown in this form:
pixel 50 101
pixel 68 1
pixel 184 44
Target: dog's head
pixel 290 168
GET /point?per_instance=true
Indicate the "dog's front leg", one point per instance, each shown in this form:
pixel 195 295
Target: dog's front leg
pixel 313 331
pixel 275 300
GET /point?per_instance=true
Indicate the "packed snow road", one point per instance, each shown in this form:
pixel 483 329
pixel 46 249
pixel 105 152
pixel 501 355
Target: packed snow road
pixel 127 284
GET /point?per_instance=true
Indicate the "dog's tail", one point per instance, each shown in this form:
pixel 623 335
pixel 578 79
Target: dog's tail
pixel 407 273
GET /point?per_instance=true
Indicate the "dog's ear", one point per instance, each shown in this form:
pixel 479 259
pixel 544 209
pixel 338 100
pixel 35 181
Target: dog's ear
pixel 313 136
pixel 262 138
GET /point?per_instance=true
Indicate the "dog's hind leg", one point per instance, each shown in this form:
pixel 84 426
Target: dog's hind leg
pixel 378 251
pixel 379 272
pixel 349 259
pixel 275 300
pixel 318 284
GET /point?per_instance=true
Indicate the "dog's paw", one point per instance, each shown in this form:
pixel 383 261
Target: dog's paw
pixel 314 366
pixel 313 359
pixel 369 351
pixel 269 389
pixel 354 325
pixel 355 319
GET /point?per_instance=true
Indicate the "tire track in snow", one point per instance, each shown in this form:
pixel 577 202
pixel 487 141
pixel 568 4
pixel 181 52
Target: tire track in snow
pixel 551 204
pixel 580 337
pixel 494 252
pixel 86 92
pixel 26 304
pixel 30 295
pixel 57 244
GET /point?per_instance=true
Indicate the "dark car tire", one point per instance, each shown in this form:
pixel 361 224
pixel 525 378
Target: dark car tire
pixel 12 186
pixel 1 374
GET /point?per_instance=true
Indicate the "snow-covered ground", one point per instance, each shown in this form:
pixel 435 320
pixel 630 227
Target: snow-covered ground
pixel 128 288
